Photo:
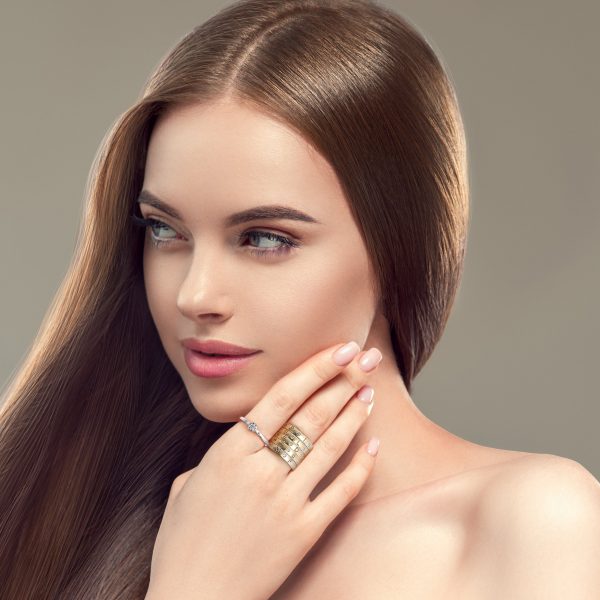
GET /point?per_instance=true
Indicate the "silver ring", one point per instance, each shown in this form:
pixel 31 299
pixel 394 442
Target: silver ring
pixel 252 426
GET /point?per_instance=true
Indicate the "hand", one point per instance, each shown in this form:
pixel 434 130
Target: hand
pixel 237 524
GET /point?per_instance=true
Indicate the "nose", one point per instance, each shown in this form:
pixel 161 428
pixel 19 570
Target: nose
pixel 202 293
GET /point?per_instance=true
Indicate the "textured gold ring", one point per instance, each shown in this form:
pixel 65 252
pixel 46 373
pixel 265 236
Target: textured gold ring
pixel 289 442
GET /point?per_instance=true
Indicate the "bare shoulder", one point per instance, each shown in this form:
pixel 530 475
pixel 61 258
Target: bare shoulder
pixel 534 473
pixel 537 533
pixel 542 489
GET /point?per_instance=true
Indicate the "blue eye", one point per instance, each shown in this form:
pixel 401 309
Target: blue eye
pixel 152 224
pixel 286 246
pixel 285 243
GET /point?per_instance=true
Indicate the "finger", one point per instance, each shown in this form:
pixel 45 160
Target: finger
pixel 321 511
pixel 283 399
pixel 316 414
pixel 330 446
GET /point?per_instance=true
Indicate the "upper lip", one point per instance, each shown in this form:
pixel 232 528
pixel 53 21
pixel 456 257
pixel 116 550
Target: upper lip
pixel 216 347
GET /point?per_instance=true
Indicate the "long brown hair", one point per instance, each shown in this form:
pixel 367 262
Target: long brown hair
pixel 96 423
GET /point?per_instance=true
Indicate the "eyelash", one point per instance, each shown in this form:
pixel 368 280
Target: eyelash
pixel 288 244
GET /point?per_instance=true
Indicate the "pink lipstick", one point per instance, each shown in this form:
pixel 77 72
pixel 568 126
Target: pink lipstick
pixel 227 359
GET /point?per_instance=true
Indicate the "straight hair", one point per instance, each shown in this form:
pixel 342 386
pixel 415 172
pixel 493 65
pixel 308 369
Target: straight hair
pixel 96 423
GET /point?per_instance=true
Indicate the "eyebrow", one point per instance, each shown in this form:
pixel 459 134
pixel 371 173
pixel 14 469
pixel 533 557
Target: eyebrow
pixel 266 211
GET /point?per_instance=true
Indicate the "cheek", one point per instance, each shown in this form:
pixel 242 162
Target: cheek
pixel 160 289
pixel 328 302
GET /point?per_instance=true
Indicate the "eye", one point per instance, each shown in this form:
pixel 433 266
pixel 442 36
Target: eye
pixel 152 224
pixel 286 244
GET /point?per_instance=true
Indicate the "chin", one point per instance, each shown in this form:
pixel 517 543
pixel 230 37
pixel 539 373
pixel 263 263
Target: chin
pixel 220 412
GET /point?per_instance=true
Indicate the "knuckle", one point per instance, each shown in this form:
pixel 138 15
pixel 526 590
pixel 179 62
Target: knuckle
pixel 282 505
pixel 310 521
pixel 356 377
pixel 219 456
pixel 282 400
pixel 271 474
pixel 321 370
pixel 181 479
pixel 349 488
pixel 178 483
pixel 332 444
pixel 172 494
pixel 270 483
pixel 316 415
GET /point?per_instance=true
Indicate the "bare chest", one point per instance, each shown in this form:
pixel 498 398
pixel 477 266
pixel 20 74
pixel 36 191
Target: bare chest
pixel 395 554
pixel 411 545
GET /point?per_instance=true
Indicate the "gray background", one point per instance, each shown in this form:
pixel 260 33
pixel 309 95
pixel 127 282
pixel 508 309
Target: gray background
pixel 517 365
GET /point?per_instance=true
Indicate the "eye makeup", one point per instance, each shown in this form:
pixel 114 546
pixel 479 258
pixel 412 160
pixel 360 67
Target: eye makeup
pixel 286 244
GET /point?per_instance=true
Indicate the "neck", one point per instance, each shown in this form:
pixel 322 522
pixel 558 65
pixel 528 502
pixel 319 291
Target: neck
pixel 413 450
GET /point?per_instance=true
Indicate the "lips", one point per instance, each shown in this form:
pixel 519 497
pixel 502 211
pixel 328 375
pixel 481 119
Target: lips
pixel 202 365
pixel 219 347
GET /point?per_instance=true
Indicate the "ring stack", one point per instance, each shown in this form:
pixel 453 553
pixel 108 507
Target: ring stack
pixel 291 444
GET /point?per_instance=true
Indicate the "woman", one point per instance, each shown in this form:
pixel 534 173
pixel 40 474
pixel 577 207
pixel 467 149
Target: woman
pixel 127 471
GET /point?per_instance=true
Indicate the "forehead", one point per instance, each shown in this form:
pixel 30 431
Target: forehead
pixel 230 154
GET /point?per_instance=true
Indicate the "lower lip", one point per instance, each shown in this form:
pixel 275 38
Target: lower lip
pixel 215 366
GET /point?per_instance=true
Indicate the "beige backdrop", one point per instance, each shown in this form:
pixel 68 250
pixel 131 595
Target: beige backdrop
pixel 517 366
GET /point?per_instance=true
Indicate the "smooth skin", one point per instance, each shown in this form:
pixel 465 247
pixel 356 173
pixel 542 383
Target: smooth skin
pixel 245 504
pixel 437 517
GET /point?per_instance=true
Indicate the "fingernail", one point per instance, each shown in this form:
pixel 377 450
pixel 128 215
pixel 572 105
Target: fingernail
pixel 373 446
pixel 345 354
pixel 370 360
pixel 365 394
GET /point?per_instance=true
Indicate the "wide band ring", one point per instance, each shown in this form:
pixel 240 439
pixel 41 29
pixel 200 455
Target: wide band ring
pixel 289 442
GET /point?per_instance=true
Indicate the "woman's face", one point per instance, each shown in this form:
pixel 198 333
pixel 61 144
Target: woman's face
pixel 208 280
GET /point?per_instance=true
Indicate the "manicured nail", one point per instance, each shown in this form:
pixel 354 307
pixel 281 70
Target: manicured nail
pixel 344 355
pixel 370 360
pixel 373 446
pixel 365 394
